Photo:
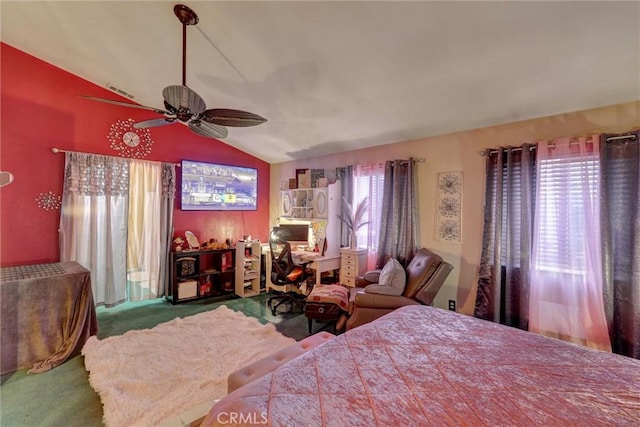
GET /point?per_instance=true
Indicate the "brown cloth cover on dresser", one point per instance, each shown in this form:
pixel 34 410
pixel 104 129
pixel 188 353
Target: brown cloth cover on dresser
pixel 421 365
pixel 47 314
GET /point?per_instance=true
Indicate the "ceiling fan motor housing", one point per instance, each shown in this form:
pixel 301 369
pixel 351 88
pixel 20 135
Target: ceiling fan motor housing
pixel 185 14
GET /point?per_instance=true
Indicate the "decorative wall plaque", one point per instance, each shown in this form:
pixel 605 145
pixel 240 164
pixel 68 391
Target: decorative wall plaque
pixel 449 224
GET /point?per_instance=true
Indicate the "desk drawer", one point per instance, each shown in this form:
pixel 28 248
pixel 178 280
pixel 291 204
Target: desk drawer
pixel 349 263
pixel 350 270
pixel 352 265
pixel 349 281
pixel 349 259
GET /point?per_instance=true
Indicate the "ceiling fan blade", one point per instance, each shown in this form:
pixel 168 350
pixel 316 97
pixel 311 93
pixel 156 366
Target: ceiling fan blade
pixel 235 118
pixel 153 123
pixel 181 97
pixel 124 104
pixel 208 130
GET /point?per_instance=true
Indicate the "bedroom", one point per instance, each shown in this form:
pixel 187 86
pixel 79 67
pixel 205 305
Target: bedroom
pixel 40 110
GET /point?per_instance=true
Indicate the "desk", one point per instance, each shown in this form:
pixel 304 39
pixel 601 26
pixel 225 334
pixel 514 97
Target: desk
pixel 321 263
pixel 318 263
pixel 47 314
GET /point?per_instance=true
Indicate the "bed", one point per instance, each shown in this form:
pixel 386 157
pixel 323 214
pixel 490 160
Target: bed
pixel 421 365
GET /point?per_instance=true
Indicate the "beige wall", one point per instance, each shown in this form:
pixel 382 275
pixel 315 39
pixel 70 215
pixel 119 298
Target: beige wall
pixel 459 152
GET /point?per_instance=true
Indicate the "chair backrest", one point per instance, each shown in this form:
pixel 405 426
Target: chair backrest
pixel 425 275
pixel 281 261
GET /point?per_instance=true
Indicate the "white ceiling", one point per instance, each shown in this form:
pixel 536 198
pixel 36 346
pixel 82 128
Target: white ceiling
pixel 336 76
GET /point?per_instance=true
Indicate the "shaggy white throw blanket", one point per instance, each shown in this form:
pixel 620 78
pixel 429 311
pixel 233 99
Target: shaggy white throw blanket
pixel 146 376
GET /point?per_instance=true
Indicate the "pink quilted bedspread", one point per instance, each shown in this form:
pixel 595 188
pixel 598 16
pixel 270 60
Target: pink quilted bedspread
pixel 425 366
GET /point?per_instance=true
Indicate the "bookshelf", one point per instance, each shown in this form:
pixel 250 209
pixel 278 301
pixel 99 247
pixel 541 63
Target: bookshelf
pixel 248 261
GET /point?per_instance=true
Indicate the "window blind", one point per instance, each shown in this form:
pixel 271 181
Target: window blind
pixel 565 185
pixel 371 186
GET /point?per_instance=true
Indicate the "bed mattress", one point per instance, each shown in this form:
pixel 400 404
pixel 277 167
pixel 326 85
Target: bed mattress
pixel 421 365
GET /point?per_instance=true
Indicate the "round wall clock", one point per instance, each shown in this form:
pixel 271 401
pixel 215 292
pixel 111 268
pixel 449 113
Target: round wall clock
pixel 129 141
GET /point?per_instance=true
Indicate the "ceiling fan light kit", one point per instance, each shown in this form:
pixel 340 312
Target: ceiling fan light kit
pixel 183 105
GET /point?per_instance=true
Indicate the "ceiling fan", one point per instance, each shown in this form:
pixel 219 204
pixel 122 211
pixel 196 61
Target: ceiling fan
pixel 183 105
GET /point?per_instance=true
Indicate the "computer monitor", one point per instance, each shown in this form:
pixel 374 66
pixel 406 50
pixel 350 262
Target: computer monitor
pixel 295 234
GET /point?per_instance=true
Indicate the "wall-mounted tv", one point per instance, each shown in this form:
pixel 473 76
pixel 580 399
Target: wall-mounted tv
pixel 216 187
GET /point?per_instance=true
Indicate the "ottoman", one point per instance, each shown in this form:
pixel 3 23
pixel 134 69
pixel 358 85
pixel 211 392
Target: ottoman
pixel 327 303
pixel 261 367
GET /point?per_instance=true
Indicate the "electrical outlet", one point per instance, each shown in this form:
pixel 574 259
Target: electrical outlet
pixel 452 305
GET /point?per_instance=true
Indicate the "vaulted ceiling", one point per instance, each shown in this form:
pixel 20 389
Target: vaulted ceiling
pixel 335 76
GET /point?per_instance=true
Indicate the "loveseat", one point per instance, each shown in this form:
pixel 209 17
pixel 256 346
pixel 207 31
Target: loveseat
pixel 425 275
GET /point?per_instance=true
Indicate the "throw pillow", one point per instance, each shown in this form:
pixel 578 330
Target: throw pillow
pixel 392 280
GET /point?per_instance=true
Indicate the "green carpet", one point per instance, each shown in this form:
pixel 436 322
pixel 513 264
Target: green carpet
pixel 63 396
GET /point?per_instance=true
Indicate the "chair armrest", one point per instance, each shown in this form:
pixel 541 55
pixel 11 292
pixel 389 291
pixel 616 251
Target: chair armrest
pixel 427 293
pixel 368 278
pixel 366 300
pixel 361 282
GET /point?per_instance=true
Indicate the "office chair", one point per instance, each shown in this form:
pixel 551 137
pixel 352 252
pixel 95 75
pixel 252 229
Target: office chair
pixel 285 272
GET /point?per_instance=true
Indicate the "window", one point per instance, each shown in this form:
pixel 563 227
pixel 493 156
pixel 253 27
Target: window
pixel 368 182
pixel 566 188
pixel 511 187
pixel 566 298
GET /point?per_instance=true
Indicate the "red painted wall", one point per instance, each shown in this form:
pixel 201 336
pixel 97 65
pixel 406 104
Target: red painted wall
pixel 40 110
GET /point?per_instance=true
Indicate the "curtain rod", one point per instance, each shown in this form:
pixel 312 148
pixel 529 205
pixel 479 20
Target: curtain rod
pixel 613 138
pixel 416 160
pixel 533 147
pixel 58 150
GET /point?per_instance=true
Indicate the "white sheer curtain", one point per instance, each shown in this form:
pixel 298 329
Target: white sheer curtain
pixel 93 221
pixel 144 242
pixel 116 220
pixel 368 181
pixel 566 299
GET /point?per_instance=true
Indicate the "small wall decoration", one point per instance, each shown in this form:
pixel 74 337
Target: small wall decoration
pixel 449 224
pixel 316 174
pixel 6 178
pixel 331 174
pixel 49 201
pixel 129 141
pixel 303 178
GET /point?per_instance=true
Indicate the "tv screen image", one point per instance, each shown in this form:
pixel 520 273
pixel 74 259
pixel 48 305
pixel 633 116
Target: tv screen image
pixel 216 187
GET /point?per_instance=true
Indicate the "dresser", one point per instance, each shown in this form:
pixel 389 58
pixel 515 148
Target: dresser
pixel 353 264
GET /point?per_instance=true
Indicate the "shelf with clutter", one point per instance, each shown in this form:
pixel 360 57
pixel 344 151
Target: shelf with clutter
pixel 248 268
pixel 192 244
pixel 309 203
pixel 320 211
pixel 201 271
pixel 308 195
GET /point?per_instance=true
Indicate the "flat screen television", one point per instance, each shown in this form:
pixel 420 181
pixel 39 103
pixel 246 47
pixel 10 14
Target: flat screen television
pixel 216 187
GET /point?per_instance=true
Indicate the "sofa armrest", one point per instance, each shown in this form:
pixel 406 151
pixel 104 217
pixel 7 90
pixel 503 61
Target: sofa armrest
pixel 366 300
